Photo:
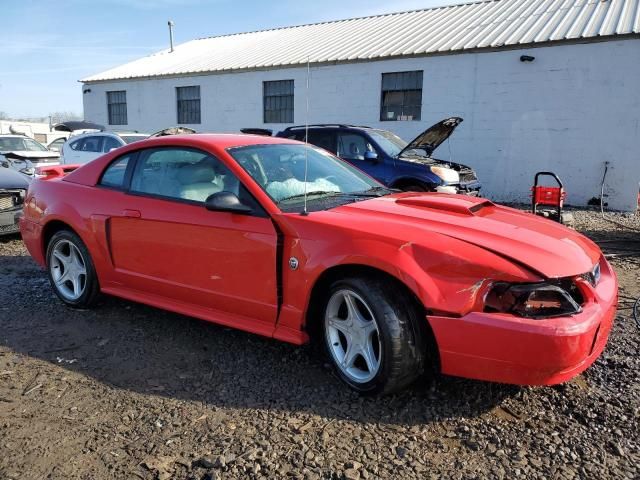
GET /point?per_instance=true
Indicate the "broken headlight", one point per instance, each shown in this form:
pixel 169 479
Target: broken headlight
pixel 534 300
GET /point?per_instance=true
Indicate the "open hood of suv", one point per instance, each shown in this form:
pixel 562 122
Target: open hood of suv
pixel 433 136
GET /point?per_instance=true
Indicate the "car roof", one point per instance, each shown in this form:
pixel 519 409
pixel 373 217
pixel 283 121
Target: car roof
pixel 220 140
pixel 109 134
pixel 89 173
pixel 328 126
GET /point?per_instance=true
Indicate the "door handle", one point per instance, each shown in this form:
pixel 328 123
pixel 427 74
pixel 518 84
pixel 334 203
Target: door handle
pixel 131 213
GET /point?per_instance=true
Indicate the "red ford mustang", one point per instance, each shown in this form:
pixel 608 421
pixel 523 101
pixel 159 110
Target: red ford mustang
pixel 217 227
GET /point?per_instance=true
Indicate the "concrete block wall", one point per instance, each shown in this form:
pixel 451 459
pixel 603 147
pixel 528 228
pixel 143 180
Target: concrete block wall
pixel 570 110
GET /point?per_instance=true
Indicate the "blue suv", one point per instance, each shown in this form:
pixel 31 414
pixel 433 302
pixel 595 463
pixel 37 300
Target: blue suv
pixel 392 161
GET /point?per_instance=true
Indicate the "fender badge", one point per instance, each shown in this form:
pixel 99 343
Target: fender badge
pixel 293 263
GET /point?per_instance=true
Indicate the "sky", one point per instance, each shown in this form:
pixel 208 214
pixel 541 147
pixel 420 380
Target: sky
pixel 46 46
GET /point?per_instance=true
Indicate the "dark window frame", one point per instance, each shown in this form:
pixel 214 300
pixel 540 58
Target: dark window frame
pixel 99 145
pixel 75 144
pixel 132 167
pixel 408 84
pixel 133 156
pixel 108 138
pixel 278 101
pixel 188 110
pixel 117 107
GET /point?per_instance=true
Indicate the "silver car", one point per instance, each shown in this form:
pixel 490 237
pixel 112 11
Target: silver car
pixel 83 148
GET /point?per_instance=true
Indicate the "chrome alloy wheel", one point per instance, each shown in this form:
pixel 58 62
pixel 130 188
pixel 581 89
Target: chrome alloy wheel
pixel 352 335
pixel 68 270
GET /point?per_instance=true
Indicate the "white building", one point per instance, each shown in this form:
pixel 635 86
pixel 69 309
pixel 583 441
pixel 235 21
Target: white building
pixel 541 85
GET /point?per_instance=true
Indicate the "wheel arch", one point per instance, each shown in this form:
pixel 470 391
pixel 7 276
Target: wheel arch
pixel 402 182
pixel 50 229
pixel 312 320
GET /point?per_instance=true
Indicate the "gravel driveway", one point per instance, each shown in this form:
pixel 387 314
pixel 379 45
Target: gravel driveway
pixel 128 391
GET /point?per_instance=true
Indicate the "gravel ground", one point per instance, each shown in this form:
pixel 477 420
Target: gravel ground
pixel 128 391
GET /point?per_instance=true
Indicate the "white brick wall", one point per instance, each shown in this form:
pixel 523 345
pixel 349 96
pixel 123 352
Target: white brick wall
pixel 569 111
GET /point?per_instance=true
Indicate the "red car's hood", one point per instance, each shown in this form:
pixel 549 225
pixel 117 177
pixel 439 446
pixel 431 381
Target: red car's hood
pixel 543 246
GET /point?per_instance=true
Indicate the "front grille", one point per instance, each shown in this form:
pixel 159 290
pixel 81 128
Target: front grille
pixel 10 200
pixel 6 201
pixel 9 228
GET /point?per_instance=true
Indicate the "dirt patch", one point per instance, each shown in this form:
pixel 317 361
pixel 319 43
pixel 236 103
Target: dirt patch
pixel 128 391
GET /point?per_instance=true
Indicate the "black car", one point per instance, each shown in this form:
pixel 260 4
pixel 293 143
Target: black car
pixel 389 159
pixel 13 189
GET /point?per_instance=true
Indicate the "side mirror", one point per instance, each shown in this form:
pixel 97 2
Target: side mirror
pixel 226 202
pixel 371 156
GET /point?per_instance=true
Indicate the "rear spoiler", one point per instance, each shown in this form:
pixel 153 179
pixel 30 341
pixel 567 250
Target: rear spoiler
pixel 55 171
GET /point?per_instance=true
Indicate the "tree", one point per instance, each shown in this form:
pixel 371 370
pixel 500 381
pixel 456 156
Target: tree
pixel 59 117
pixel 4 116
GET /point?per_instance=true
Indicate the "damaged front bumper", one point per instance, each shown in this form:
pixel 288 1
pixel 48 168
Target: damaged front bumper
pixel 9 221
pixel 470 188
pixel 504 348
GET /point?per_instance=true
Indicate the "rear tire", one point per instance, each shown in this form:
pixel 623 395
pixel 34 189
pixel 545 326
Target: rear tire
pixel 71 271
pixel 372 336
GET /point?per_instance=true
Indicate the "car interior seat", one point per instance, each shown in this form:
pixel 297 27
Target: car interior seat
pixel 199 180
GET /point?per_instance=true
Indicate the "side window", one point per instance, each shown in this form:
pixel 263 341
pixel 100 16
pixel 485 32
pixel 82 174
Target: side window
pixel 322 138
pixel 92 144
pixel 113 176
pixel 298 134
pixel 77 145
pixel 181 173
pixel 109 144
pixel 352 146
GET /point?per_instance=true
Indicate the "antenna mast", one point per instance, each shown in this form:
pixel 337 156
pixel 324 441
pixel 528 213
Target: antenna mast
pixel 306 141
pixel 171 24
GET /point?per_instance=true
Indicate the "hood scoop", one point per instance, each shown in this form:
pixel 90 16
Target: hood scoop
pixel 449 203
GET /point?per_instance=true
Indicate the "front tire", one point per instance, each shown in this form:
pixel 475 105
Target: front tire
pixel 71 272
pixel 372 336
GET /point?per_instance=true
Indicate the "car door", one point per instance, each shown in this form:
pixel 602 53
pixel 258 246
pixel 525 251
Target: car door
pixel 353 148
pixel 164 242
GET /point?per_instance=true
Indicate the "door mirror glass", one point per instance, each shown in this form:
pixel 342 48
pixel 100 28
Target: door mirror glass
pixel 369 155
pixel 226 202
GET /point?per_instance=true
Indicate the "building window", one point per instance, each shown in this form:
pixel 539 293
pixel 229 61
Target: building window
pixel 278 101
pixel 401 96
pixel 117 107
pixel 188 104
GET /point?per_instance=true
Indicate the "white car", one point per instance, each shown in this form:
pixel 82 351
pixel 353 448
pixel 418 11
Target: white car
pixel 25 154
pixel 82 149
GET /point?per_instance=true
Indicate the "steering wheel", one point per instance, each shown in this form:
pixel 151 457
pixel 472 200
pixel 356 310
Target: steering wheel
pixel 255 169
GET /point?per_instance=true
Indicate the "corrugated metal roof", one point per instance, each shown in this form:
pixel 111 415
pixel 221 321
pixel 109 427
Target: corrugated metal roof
pixel 487 24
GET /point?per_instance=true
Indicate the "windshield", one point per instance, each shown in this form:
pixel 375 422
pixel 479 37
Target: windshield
pixel 16 144
pixel 387 141
pixel 280 171
pixel 132 138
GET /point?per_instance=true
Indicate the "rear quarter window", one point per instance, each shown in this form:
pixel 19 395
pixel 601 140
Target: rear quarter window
pixel 114 174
